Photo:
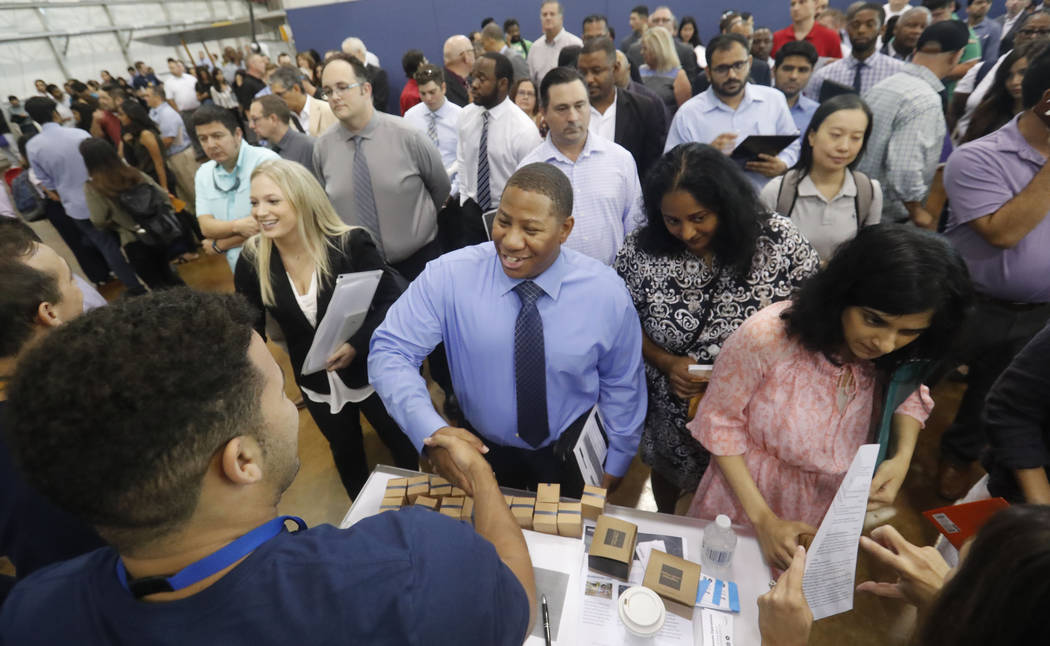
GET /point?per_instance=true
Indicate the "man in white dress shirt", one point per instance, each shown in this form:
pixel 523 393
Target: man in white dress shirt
pixel 606 193
pixel 181 90
pixel 436 116
pixel 543 57
pixel 508 134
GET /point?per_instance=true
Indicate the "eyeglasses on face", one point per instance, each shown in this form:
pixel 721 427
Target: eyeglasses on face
pixel 340 88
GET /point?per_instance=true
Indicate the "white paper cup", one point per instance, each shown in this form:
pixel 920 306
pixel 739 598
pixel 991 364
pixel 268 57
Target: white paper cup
pixel 642 611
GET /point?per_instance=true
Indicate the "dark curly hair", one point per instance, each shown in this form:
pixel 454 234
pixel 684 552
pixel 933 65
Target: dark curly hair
pixel 1001 588
pixel 893 268
pixel 116 415
pixel 718 184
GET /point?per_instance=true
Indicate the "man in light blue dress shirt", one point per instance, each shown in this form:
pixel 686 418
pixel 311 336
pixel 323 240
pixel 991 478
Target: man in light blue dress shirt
pixel 731 109
pixel 436 116
pixel 791 71
pixel 471 299
pixel 223 184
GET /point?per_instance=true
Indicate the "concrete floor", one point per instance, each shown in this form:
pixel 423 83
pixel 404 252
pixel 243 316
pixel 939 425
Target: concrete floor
pixel 318 497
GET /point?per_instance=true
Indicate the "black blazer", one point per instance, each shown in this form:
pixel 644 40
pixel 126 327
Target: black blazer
pixel 380 87
pixel 356 252
pixel 640 128
pixel 455 91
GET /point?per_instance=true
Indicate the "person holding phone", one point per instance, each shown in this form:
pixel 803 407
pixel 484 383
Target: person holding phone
pixel 796 388
pixel 289 271
pixel 708 256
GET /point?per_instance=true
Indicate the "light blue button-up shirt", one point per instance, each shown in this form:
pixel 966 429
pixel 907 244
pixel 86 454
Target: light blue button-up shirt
pixel 227 196
pixel 170 124
pixel 54 155
pixel 763 111
pixel 802 112
pixel 592 339
pixel 418 116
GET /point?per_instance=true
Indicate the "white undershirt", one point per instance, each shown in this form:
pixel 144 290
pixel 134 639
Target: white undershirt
pixel 339 393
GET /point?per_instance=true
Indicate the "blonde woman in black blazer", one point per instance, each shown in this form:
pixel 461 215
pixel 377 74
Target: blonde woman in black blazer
pixel 289 270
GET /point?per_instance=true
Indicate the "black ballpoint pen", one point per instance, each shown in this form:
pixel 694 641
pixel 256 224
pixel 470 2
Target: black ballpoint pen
pixel 546 619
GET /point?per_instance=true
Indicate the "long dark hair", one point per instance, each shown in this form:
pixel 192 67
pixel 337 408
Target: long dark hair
pixel 841 102
pixel 892 268
pixel 998 107
pixel 1001 588
pixel 138 117
pixel 695 40
pixel 718 184
pixel 109 174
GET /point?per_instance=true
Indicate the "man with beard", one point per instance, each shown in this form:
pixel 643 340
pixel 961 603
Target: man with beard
pixel 762 45
pixel 494 134
pixel 632 121
pixel 607 196
pixel 906 33
pixel 864 67
pixel 794 65
pixel 732 109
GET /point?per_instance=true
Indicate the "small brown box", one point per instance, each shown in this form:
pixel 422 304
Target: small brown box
pixel 395 486
pixel 437 480
pixel 440 490
pixel 391 503
pixel 570 519
pixel 468 510
pixel 456 491
pixel 522 509
pixel 452 507
pixel 612 548
pixel 418 486
pixel 548 493
pixel 593 502
pixel 672 578
pixel 427 501
pixel 545 518
pixel 509 499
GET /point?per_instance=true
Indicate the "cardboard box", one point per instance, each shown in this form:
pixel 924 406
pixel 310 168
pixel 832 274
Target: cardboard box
pixel 612 549
pixel 452 507
pixel 395 486
pixel 509 499
pixel 570 519
pixel 468 510
pixel 593 502
pixel 427 501
pixel 456 491
pixel 418 486
pixel 545 518
pixel 522 509
pixel 391 503
pixel 440 490
pixel 673 578
pixel 436 480
pixel 550 493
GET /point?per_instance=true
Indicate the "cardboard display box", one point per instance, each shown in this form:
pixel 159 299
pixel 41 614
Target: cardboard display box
pixel 550 493
pixel 593 502
pixel 397 495
pixel 468 510
pixel 452 507
pixel 545 518
pixel 391 503
pixel 673 578
pixel 456 491
pixel 522 509
pixel 418 486
pixel 440 490
pixel 570 519
pixel 437 480
pixel 395 486
pixel 612 549
pixel 427 501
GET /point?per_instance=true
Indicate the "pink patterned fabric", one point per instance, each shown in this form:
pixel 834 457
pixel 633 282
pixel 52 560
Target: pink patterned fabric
pixel 775 403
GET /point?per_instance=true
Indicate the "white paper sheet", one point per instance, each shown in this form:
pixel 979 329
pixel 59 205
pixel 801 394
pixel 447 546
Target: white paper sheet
pixel 563 555
pixel 717 628
pixel 831 563
pixel 346 313
pixel 590 450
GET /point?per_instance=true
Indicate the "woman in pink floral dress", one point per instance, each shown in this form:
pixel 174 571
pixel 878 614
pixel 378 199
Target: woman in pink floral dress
pixel 793 390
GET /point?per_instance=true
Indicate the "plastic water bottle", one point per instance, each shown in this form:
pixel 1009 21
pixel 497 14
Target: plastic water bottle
pixel 718 546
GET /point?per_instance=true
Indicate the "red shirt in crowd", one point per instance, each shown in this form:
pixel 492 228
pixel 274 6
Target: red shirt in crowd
pixel 409 96
pixel 826 40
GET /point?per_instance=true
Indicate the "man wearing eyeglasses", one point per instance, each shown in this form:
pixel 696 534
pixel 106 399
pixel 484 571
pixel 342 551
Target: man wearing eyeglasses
pixel 380 172
pixel 459 60
pixel 223 183
pixel 732 109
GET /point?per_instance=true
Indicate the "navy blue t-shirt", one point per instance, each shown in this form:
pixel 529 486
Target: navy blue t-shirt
pixel 405 577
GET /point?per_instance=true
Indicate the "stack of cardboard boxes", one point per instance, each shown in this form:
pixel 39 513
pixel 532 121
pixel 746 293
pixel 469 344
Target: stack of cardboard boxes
pixel 429 491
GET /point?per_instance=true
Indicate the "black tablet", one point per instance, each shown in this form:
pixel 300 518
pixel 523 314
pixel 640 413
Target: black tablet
pixel 749 149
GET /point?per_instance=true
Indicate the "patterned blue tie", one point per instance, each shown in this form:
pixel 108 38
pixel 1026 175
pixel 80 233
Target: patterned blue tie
pixel 364 198
pixel 432 130
pixel 530 367
pixel 484 196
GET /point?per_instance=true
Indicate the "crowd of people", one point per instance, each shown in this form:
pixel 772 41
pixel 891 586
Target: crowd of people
pixel 561 226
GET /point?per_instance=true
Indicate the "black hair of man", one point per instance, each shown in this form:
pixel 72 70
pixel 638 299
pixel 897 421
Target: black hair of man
pixel 41 109
pixel 857 7
pixel 558 76
pixel 600 44
pixel 801 48
pixel 596 17
pixel 1036 80
pixel 136 438
pixel 642 10
pixel 214 114
pixel 934 5
pixel 273 105
pixel 360 71
pixel 486 21
pixel 510 22
pixel 22 290
pixel 504 70
pixel 427 73
pixel 173 60
pixel 411 61
pixel 568 56
pixel 547 180
pixel 725 42
pixel 77 87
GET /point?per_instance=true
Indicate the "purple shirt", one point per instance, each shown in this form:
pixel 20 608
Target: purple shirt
pixel 980 178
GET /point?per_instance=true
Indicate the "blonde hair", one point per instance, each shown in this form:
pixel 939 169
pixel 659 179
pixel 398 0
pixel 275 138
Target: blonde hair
pixel 318 225
pixel 659 42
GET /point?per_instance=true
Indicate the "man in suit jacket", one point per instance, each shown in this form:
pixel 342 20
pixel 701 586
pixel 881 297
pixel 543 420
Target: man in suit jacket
pixel 630 120
pixel 459 61
pixel 622 77
pixel 376 75
pixel 309 115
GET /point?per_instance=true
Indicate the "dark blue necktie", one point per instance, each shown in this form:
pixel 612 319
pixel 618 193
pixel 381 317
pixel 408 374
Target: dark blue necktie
pixel 530 367
pixel 484 191
pixel 856 76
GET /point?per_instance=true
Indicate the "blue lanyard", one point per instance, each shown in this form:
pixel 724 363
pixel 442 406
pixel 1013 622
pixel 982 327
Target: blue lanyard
pixel 208 565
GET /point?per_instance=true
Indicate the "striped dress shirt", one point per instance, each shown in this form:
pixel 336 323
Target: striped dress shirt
pixel 876 68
